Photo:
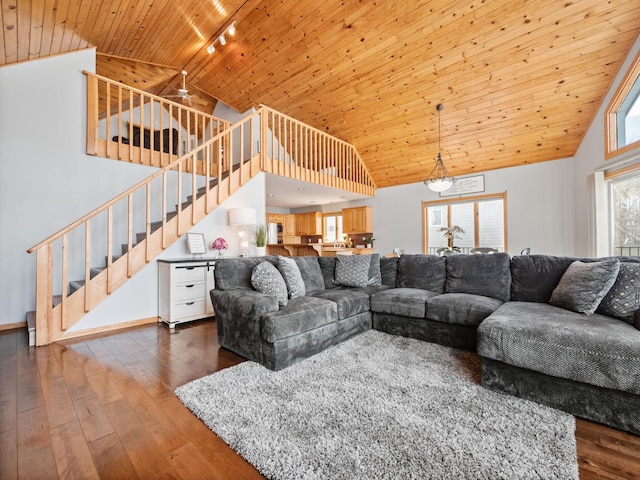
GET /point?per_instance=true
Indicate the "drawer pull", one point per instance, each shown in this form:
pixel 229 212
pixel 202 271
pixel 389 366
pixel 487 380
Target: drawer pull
pixel 189 286
pixel 190 303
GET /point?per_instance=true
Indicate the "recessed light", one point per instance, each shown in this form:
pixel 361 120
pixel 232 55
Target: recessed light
pixel 301 188
pixel 270 195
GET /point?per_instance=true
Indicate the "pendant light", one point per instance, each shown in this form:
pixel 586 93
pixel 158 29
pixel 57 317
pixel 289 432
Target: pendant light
pixel 439 179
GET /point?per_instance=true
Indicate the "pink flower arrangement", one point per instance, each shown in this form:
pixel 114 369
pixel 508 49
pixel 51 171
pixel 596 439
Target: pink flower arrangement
pixel 219 244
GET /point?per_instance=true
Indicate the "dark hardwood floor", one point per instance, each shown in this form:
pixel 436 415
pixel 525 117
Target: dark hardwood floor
pixel 103 407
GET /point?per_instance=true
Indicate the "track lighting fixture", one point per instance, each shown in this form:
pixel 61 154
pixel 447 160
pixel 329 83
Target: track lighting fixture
pixel 222 40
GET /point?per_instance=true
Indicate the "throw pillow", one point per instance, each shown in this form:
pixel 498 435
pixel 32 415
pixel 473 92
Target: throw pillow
pixel 623 300
pixel 266 279
pixel 352 270
pixel 584 285
pixel 292 276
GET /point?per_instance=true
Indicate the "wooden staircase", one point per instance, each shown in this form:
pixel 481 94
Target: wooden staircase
pixel 116 240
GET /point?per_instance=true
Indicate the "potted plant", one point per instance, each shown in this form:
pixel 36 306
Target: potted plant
pixel 451 233
pixel 369 241
pixel 260 237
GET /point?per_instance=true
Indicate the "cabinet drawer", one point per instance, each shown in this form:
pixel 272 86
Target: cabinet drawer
pixel 189 274
pixel 188 308
pixel 187 291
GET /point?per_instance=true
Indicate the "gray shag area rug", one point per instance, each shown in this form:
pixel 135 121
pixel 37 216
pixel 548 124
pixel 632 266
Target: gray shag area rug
pixel 382 406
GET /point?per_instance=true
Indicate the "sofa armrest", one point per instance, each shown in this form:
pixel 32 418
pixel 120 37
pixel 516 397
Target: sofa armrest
pixel 238 318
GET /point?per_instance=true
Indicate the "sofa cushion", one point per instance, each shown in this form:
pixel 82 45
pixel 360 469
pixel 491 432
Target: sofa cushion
pixel 328 269
pixel 623 300
pixel 310 272
pixel 349 302
pixel 352 270
pixel 427 272
pixel 389 270
pixel 231 273
pixel 461 308
pixel 300 315
pixel 584 285
pixel 533 277
pixel 488 275
pixel 594 349
pixel 267 279
pixel 292 276
pixel 407 302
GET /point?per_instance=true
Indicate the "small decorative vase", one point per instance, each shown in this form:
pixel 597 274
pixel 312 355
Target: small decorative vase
pixel 261 251
pixel 220 254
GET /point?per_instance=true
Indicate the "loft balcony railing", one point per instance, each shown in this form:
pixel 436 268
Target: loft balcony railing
pixel 125 123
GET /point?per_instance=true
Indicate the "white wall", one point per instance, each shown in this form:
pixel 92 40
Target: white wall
pixel 588 159
pixel 46 179
pixel 539 209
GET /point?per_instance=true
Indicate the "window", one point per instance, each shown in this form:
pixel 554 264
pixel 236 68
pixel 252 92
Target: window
pixel 622 116
pixel 332 227
pixel 483 219
pixel 624 195
pixel 435 216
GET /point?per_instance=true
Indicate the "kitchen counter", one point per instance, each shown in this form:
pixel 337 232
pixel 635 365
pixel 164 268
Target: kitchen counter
pixel 315 249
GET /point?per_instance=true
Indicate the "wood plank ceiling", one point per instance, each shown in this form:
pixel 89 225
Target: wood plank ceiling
pixel 521 80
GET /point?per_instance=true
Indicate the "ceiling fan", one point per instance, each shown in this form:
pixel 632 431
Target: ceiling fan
pixel 183 93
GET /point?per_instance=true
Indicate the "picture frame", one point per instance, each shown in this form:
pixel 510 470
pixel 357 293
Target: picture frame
pixel 465 185
pixel 196 244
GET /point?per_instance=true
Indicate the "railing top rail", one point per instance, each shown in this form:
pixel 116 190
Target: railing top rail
pixel 139 185
pixel 142 92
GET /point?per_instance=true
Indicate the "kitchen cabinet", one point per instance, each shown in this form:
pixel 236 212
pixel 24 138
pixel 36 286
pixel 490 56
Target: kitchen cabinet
pixel 289 224
pixel 357 220
pixel 183 290
pixel 309 223
pixel 275 218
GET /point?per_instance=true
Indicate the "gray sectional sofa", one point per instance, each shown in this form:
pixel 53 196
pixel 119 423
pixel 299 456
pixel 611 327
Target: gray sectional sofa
pixel 561 331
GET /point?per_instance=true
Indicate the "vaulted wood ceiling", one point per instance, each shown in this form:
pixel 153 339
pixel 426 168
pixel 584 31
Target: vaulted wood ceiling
pixel 520 80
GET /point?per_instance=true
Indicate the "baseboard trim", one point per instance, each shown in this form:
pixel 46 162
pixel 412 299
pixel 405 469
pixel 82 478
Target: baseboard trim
pixel 12 326
pixel 107 328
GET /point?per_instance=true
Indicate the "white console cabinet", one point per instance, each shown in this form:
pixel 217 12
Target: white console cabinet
pixel 183 290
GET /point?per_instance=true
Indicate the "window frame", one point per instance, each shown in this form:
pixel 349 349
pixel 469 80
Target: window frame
pixel 611 113
pixel 473 199
pixel 611 178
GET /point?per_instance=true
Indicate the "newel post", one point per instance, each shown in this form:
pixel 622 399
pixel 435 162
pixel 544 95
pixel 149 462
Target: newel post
pixel 92 114
pixel 44 300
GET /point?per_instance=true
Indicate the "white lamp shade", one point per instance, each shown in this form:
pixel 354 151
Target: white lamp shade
pixel 242 216
pixel 440 185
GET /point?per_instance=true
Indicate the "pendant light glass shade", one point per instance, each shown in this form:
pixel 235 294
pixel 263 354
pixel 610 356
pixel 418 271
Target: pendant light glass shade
pixel 439 179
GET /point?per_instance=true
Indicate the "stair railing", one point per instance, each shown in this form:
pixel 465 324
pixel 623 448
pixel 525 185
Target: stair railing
pixel 204 177
pixel 220 159
pixel 125 123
